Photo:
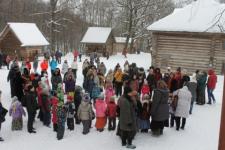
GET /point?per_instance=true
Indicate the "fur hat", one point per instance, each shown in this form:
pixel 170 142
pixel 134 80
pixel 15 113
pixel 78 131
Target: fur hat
pixel 14 98
pixel 86 97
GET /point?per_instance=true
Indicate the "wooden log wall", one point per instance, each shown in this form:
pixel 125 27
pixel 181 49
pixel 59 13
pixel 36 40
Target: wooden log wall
pixel 220 55
pixel 189 53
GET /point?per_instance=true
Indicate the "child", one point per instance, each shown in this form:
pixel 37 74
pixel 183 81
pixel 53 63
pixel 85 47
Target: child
pixel 144 124
pixel 70 107
pixel 70 86
pixel 16 111
pixel 77 101
pixel 85 113
pixel 61 115
pixel 100 107
pixel 111 113
pixel 54 102
pixel 145 89
pixel 60 93
pixel 109 92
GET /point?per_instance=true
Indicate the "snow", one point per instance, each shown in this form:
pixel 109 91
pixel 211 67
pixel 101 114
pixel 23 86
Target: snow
pixel 121 40
pixel 28 34
pixel 199 16
pixel 96 35
pixel 201 132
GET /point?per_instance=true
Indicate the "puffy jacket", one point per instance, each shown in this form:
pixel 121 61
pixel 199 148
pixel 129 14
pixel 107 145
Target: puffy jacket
pixel 53 64
pixel 109 92
pixel 16 110
pixel 118 76
pixel 100 107
pixel 145 89
pixel 184 102
pixel 44 65
pixel 212 79
pixel 54 102
pixel 84 111
pixel 111 109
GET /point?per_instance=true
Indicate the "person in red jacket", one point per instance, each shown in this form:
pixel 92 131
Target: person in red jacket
pixel 54 103
pixel 145 89
pixel 111 113
pixel 44 66
pixel 211 85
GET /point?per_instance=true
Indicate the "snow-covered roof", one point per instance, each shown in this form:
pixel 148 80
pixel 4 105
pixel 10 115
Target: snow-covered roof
pixel 27 33
pixel 96 35
pixel 121 40
pixel 199 16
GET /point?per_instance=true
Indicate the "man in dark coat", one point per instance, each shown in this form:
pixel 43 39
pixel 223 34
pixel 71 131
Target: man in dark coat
pixel 31 105
pixel 56 79
pixel 127 118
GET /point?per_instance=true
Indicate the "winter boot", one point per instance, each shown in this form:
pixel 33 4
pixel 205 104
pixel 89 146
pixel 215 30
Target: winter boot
pixel 131 146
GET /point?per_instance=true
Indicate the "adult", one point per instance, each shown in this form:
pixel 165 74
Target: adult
pixel 58 56
pixel 102 68
pixel 160 108
pixel 53 65
pixel 211 85
pixel 151 80
pixel 44 66
pixel 127 117
pixel 56 79
pixel 192 87
pixel 31 105
pixel 74 67
pixel 201 85
pixel 183 106
pixel 65 67
pixel 118 82
pixel 35 63
pixel 7 61
pixel 75 54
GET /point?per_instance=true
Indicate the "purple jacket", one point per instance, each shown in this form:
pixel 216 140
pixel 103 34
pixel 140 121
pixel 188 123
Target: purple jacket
pixel 69 86
pixel 16 110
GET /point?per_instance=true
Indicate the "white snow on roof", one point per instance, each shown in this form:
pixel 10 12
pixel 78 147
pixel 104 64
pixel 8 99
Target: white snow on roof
pixel 28 34
pixel 199 16
pixel 121 40
pixel 96 35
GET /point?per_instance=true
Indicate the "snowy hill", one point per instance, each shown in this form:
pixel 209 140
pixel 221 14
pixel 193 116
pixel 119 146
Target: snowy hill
pixel 201 132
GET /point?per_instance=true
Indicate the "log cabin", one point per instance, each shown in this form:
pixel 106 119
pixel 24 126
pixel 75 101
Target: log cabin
pixel 22 39
pixel 99 40
pixel 190 38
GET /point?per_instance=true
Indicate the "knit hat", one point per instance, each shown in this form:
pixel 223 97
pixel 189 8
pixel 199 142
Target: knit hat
pixel 86 97
pixel 101 95
pixel 14 98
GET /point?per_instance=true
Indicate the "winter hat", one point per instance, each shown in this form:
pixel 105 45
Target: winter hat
pixel 14 99
pixel 86 97
pixel 101 95
pixel 127 90
pixel 69 98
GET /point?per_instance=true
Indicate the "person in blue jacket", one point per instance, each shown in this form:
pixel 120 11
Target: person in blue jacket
pixel 53 64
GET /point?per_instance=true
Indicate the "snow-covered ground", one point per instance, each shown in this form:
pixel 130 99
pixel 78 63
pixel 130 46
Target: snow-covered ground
pixel 201 132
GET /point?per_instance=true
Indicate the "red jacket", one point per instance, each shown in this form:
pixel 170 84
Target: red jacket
pixel 212 79
pixel 39 91
pixel 54 102
pixel 145 89
pixel 44 65
pixel 111 109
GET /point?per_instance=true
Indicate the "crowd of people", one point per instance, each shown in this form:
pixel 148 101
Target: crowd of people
pixel 141 100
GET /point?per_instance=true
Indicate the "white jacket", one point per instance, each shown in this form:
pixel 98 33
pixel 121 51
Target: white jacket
pixel 184 102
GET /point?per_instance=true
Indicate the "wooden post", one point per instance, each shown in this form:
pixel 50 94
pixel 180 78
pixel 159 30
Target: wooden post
pixel 222 123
